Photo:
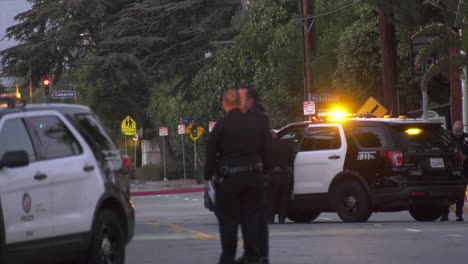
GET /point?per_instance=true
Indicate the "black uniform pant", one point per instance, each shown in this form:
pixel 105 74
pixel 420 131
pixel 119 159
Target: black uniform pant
pixel 262 232
pixel 458 206
pixel 278 194
pixel 238 202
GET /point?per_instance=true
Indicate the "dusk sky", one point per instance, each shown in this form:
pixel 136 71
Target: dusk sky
pixel 9 9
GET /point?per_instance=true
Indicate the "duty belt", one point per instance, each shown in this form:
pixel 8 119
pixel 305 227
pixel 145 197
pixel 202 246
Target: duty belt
pixel 225 170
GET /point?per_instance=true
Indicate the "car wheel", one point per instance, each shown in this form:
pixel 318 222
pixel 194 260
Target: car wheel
pixel 108 242
pixel 302 217
pixel 352 202
pixel 425 213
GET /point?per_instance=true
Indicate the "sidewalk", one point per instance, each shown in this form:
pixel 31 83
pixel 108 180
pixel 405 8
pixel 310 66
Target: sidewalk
pixel 143 188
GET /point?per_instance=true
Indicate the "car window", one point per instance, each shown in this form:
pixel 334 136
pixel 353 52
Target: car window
pixel 94 132
pixel 293 136
pixel 321 138
pixel 430 136
pixel 372 137
pixel 52 138
pixel 14 136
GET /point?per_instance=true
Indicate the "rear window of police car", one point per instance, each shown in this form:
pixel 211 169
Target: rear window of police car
pixel 425 136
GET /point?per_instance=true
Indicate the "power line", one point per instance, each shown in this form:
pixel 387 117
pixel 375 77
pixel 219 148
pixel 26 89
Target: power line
pixel 303 19
pixel 332 11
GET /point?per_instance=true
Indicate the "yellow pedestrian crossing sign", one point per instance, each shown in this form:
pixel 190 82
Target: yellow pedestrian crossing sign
pixel 129 126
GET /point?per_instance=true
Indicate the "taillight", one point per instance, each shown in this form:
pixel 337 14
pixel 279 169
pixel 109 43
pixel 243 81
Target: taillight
pixel 395 157
pixel 127 162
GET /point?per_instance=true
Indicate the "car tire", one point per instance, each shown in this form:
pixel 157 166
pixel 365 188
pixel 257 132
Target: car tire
pixel 108 240
pixel 425 213
pixel 302 217
pixel 352 202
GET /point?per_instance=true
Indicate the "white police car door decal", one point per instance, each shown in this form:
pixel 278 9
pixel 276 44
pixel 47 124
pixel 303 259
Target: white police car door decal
pixel 25 191
pixel 321 157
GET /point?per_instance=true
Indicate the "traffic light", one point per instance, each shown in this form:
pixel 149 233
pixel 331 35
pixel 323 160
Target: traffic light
pixel 46 84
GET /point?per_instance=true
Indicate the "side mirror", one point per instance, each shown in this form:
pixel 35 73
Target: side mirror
pixel 15 158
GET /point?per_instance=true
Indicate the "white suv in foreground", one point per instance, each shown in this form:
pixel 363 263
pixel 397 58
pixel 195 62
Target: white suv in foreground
pixel 64 188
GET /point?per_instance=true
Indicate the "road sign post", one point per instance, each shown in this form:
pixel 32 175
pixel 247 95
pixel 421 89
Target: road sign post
pixel 181 130
pixel 125 137
pixel 163 133
pixel 129 128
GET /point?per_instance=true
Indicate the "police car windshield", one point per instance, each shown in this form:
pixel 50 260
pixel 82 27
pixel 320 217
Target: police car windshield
pixel 429 136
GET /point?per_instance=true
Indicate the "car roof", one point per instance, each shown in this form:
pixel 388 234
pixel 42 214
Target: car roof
pixel 357 121
pixel 62 108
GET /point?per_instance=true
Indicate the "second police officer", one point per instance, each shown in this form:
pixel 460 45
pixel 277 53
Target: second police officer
pixel 249 103
pixel 462 144
pixel 238 147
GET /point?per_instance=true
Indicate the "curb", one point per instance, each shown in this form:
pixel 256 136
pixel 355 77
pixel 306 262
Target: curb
pixel 176 191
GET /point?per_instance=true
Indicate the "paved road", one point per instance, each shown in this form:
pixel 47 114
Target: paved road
pixel 177 229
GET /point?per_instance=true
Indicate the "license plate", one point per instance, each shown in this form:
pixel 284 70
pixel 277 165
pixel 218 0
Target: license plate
pixel 437 162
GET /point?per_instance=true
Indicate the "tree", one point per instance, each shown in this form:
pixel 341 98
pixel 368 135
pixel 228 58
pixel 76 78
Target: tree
pixel 169 37
pixel 359 66
pixel 53 35
pixel 267 54
pixel 407 12
pixel 446 43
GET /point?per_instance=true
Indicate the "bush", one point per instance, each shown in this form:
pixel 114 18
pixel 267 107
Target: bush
pixel 155 172
pixel 149 172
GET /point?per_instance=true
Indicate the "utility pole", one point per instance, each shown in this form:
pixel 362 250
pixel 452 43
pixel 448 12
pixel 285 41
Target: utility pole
pixel 455 91
pixel 30 84
pixel 307 36
pixel 388 45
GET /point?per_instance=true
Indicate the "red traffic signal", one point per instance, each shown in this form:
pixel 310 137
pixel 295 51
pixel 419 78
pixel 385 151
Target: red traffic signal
pixel 46 82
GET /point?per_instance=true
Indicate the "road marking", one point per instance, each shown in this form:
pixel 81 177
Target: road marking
pixel 325 218
pixel 195 233
pixel 195 200
pixel 413 230
pixel 167 196
pixel 186 199
pixel 455 235
pixel 377 225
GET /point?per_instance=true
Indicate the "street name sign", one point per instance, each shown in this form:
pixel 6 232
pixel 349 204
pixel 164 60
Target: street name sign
pixel 63 94
pixel 324 98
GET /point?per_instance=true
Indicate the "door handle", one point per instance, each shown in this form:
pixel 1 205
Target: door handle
pixel 334 157
pixel 40 176
pixel 88 168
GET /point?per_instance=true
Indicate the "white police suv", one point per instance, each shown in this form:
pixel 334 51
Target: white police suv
pixel 64 189
pixel 362 165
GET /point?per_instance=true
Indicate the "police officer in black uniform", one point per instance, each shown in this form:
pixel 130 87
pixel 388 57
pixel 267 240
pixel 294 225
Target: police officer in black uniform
pixel 238 148
pixel 249 103
pixel 462 143
pixel 281 179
